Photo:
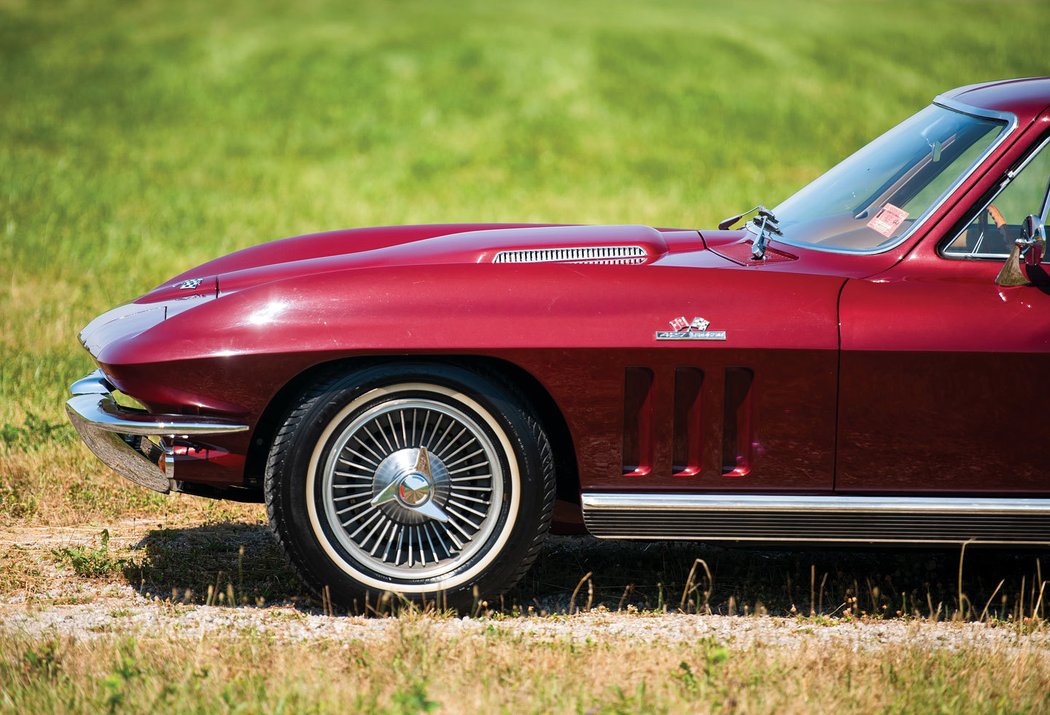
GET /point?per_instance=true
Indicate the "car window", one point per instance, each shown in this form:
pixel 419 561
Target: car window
pixel 872 199
pixel 993 230
pixel 943 181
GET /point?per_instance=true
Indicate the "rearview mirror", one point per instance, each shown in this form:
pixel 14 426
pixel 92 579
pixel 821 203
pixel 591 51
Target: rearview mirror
pixel 1030 248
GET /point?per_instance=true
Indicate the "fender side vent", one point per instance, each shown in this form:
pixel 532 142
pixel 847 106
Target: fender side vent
pixel 736 422
pixel 638 406
pixel 629 255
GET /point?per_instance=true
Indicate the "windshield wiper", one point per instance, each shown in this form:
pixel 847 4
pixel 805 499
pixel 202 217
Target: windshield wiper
pixel 767 224
pixel 728 223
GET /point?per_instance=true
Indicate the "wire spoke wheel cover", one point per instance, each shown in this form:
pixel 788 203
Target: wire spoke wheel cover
pixel 378 453
pixel 444 524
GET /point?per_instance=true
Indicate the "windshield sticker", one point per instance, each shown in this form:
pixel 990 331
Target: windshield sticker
pixel 888 219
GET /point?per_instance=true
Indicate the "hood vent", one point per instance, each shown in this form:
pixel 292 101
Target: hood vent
pixel 629 255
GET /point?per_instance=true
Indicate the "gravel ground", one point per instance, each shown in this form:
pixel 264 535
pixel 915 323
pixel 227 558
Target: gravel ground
pixel 127 615
pixel 66 605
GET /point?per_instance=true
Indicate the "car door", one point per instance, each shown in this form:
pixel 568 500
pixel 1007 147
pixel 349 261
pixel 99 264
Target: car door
pixel 944 374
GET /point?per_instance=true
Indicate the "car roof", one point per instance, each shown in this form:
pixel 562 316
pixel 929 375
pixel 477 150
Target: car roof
pixel 1026 98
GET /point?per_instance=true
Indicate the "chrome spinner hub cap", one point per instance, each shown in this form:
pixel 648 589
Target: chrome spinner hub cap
pixel 411 485
pixel 414 490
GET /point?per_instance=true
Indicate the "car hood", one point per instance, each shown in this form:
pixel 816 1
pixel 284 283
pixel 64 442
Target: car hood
pixel 424 289
pixel 425 245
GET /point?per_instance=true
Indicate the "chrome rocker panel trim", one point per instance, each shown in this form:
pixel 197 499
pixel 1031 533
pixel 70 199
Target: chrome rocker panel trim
pixel 818 519
pixel 121 437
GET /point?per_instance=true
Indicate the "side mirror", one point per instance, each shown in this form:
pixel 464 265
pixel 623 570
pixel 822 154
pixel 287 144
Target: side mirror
pixel 1033 237
pixel 1030 248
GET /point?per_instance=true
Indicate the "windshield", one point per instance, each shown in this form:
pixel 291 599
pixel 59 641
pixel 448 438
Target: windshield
pixel 870 200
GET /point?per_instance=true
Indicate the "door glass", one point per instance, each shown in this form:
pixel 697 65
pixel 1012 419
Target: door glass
pixel 992 232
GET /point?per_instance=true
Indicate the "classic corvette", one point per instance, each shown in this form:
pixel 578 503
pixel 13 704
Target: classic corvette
pixel 419 405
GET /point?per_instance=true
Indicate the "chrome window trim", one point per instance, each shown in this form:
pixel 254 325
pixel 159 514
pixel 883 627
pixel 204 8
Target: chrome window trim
pixel 971 256
pixel 955 106
pixel 1010 176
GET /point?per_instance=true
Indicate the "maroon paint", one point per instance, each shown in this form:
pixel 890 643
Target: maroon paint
pixel 941 371
pixel 940 366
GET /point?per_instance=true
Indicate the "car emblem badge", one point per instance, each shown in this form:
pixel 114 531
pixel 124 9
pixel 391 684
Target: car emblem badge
pixel 682 329
pixel 189 283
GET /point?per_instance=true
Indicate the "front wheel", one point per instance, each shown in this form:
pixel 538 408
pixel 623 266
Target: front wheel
pixel 423 480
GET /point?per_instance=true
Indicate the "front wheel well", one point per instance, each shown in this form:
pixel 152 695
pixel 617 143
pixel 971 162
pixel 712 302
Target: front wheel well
pixel 530 390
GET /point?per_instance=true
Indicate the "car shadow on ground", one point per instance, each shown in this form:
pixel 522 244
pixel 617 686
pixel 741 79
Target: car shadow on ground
pixel 697 577
pixel 241 564
pixel 227 563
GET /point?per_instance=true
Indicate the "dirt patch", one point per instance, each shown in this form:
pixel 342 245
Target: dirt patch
pixel 187 580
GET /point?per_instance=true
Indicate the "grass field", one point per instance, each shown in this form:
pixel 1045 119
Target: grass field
pixel 138 139
pixel 417 667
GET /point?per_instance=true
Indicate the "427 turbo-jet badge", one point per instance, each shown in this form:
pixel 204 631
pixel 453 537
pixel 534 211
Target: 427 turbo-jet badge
pixel 682 329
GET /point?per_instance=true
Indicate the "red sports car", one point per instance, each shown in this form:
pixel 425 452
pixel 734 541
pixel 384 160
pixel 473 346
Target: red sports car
pixel 417 405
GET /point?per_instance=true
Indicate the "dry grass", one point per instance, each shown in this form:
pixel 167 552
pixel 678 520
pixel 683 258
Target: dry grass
pixel 419 667
pixel 60 483
pixel 90 625
pixel 198 557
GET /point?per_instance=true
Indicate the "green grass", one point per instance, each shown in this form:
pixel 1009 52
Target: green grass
pixel 138 139
pixel 95 562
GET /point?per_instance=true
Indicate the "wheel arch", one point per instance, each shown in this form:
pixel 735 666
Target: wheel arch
pixel 529 389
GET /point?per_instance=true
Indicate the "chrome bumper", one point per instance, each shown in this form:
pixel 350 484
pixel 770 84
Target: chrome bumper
pixel 129 441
